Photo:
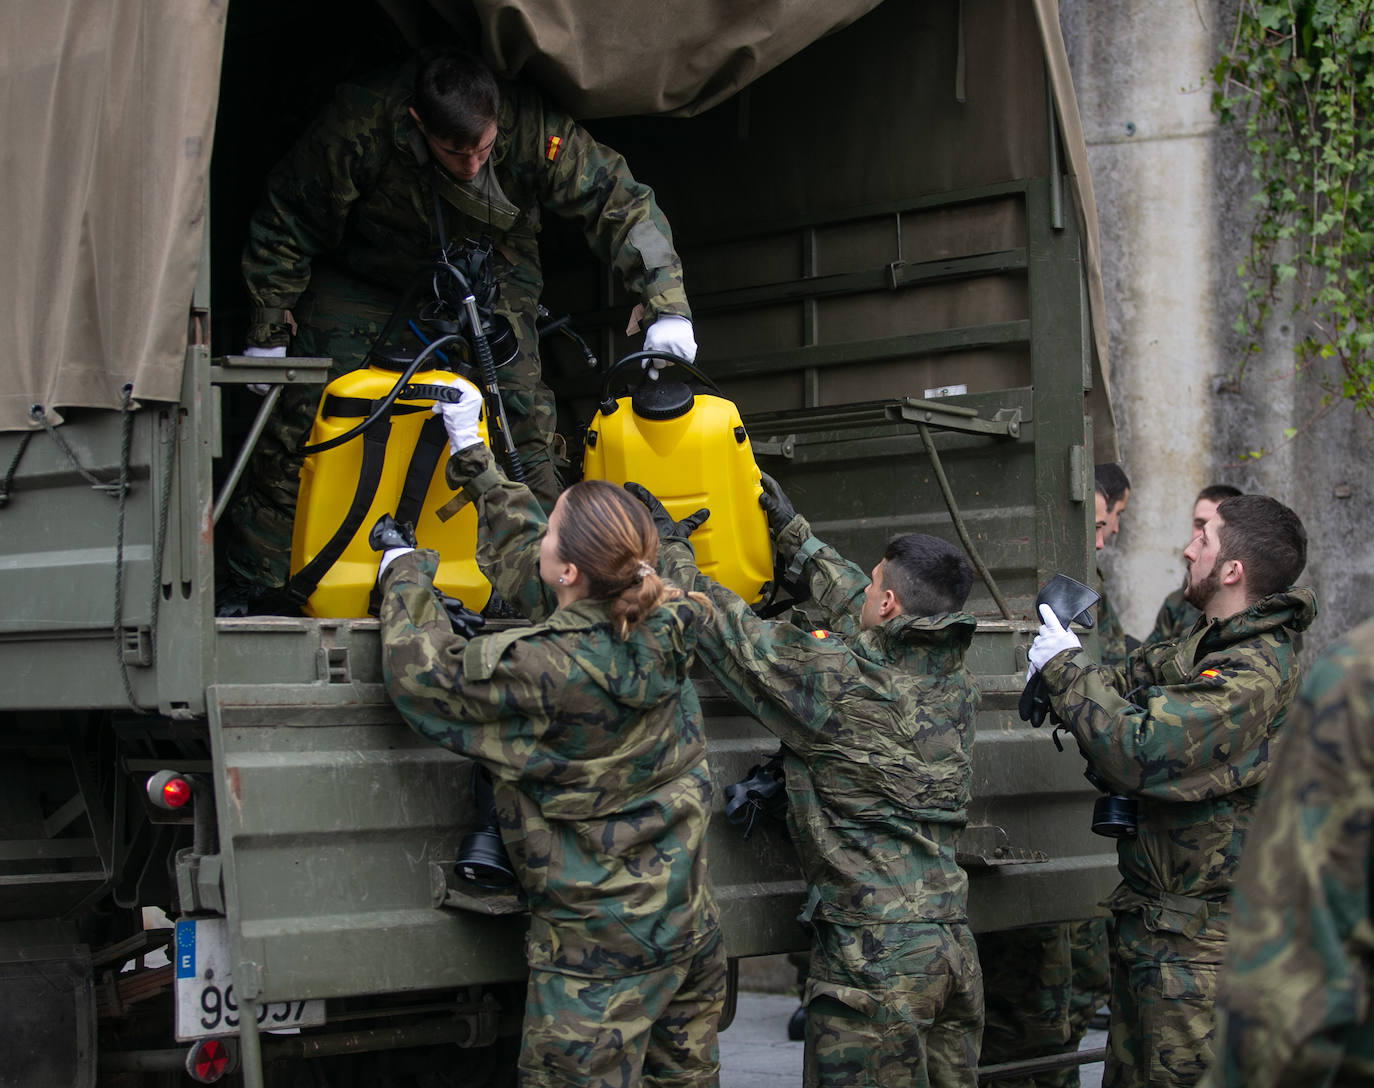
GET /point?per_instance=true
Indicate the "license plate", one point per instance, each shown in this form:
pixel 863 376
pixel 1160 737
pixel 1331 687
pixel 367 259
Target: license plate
pixel 206 1004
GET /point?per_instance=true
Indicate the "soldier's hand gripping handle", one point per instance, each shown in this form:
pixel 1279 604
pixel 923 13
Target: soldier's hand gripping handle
pixel 460 418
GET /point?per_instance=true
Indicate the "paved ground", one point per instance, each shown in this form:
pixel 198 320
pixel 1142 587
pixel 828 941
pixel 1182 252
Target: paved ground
pixel 755 1052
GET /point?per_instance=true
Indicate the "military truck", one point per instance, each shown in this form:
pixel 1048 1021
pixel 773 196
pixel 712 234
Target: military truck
pixel 890 246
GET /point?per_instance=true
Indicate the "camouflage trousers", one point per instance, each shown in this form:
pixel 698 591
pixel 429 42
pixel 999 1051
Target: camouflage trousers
pixel 340 318
pixel 1164 986
pixel 657 1028
pixel 893 1004
pixel 1042 986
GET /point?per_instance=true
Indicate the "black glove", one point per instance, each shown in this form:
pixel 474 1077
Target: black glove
pixel 776 505
pixel 663 521
pixel 389 533
pixel 462 619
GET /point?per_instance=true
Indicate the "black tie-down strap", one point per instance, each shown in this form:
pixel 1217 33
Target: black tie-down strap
pixel 429 447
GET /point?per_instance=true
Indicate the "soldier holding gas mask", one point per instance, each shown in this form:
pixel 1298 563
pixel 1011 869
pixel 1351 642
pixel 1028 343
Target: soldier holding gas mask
pixel 1187 730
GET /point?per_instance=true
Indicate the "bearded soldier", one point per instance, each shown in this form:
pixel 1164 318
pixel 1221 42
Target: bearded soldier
pixel 1186 729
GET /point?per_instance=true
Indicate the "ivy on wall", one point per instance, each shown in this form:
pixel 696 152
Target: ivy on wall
pixel 1300 75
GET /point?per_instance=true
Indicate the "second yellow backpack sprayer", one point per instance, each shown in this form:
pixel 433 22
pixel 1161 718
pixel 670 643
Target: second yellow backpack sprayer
pixel 691 450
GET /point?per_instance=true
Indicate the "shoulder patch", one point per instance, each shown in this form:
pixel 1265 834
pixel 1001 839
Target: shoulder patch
pixel 820 632
pixel 553 147
pixel 1213 677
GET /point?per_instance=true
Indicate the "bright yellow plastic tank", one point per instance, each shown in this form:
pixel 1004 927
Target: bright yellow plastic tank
pixel 690 450
pixel 329 481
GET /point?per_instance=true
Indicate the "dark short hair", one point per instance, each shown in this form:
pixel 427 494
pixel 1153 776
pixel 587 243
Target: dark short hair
pixel 1218 492
pixel 927 574
pixel 1110 478
pixel 456 96
pixel 1267 538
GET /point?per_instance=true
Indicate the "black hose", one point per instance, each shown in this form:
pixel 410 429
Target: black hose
pixel 384 406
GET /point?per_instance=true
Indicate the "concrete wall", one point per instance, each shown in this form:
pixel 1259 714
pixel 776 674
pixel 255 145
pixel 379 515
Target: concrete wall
pixel 1173 193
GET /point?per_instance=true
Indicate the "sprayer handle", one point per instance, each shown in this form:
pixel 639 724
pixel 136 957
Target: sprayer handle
pixel 668 359
pixel 447 394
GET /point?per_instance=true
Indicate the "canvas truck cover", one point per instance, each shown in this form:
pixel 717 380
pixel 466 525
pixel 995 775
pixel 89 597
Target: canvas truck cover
pixel 109 122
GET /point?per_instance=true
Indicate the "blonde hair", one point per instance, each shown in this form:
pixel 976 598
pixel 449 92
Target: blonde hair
pixel 608 535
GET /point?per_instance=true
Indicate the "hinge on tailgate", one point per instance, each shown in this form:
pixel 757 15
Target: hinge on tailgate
pixel 1005 423
pixel 334 665
pixel 773 446
pixel 986 846
pixel 137 645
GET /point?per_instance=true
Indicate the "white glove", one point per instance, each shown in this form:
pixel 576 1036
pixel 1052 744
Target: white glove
pixel 460 420
pixel 278 352
pixel 672 334
pixel 389 556
pixel 1051 640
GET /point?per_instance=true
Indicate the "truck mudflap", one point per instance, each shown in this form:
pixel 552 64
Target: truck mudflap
pixel 47 1016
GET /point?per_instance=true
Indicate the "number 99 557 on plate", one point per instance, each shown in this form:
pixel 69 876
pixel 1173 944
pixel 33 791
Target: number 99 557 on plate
pixel 206 1002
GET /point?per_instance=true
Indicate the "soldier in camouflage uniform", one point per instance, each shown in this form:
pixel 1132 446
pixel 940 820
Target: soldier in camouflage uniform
pixel 594 740
pixel 1187 730
pixel 876 716
pixel 1112 490
pixel 1176 616
pixel 1044 984
pixel 1297 992
pixel 350 219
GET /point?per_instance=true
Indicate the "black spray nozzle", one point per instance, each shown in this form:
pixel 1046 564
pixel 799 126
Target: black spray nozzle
pixel 1069 599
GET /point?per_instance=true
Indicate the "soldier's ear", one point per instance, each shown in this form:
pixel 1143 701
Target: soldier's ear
pixel 889 606
pixel 416 118
pixel 1233 572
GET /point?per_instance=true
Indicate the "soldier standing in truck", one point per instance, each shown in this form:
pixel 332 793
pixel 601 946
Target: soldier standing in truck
pixel 437 151
pixel 876 716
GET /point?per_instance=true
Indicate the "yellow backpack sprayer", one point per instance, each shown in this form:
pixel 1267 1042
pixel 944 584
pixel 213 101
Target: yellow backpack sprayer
pixel 377 447
pixel 691 450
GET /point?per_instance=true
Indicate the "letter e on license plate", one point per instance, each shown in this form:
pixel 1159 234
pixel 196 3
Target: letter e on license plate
pixel 206 1004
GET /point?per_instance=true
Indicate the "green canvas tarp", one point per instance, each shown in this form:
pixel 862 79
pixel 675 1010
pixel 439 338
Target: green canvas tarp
pixel 109 110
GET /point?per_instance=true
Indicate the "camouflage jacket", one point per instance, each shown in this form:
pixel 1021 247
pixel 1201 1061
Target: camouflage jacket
pixel 595 745
pixel 1111 635
pixel 1297 995
pixel 1187 728
pixel 357 188
pixel 878 727
pixel 1174 619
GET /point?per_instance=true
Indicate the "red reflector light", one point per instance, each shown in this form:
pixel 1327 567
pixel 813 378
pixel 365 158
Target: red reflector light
pixel 208 1060
pixel 170 790
pixel 176 792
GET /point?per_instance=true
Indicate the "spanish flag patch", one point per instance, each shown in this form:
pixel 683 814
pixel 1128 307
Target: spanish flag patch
pixel 1212 676
pixel 555 145
pixel 820 633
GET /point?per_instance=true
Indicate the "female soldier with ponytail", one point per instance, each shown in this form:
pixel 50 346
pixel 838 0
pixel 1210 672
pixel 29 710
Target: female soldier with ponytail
pixel 593 737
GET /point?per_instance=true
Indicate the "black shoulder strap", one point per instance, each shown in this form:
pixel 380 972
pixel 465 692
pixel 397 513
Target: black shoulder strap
pixel 429 445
